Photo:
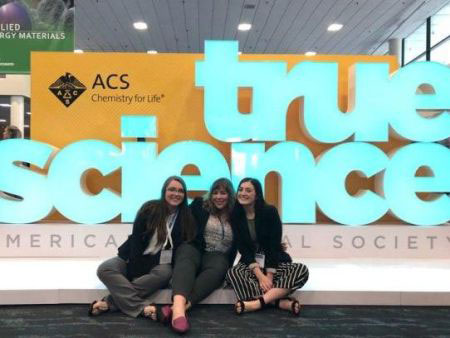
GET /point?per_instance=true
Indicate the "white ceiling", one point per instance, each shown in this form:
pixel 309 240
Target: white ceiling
pixel 278 26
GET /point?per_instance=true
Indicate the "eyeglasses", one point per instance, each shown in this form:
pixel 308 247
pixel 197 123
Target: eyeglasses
pixel 173 189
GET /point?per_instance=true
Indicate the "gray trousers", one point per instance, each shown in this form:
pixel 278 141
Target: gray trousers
pixel 197 275
pixel 131 297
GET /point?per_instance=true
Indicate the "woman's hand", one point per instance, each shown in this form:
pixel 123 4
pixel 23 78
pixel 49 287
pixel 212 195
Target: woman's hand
pixel 265 281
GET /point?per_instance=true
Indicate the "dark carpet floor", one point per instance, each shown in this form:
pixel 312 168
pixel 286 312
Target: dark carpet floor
pixel 220 321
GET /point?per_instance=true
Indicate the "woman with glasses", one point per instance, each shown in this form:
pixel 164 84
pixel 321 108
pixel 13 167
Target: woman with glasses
pixel 200 266
pixel 265 273
pixel 144 261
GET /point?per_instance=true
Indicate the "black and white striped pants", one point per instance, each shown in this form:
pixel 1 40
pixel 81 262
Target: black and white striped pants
pixel 291 276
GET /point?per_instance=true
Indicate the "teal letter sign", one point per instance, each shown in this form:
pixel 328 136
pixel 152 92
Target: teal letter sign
pixel 380 101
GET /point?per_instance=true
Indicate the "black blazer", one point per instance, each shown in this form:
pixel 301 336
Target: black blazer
pixel 268 234
pixel 133 248
pixel 201 217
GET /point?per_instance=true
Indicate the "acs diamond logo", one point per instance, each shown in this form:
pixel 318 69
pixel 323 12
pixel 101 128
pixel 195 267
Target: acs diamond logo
pixel 67 89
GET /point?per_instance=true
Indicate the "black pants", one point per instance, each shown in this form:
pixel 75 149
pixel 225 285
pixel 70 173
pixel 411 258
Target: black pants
pixel 196 275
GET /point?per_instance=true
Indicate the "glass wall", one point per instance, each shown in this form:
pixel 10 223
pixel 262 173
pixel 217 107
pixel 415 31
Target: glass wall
pixel 415 44
pixel 440 26
pixel 431 41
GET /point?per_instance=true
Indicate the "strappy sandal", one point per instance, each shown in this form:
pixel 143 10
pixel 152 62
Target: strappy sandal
pixel 295 305
pixel 241 304
pixel 97 311
pixel 240 310
pixel 152 315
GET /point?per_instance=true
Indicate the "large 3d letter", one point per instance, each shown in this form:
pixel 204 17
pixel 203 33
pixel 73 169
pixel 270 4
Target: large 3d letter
pixel 403 108
pixel 222 74
pixel 401 183
pixel 65 181
pixel 332 170
pixel 22 181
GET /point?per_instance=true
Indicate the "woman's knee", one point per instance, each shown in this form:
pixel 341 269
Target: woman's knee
pixel 231 272
pixel 108 266
pixel 163 271
pixel 186 250
pixel 305 273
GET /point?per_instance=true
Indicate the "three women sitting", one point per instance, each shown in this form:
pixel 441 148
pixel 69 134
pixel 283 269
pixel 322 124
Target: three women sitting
pixel 163 233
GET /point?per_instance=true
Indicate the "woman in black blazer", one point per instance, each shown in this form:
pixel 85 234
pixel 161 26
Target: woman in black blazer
pixel 144 261
pixel 265 273
pixel 200 266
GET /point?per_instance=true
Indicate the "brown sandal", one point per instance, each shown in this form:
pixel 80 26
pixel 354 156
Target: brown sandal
pixel 242 306
pixel 295 305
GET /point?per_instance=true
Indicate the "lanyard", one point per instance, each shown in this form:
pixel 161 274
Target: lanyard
pixel 223 227
pixel 170 223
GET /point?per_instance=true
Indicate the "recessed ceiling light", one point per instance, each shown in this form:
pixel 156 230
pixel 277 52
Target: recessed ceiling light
pixel 311 53
pixel 244 26
pixel 78 51
pixel 140 25
pixel 334 27
pixel 152 52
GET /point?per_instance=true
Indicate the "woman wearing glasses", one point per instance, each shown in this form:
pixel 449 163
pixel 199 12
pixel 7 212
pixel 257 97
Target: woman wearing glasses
pixel 144 261
pixel 265 273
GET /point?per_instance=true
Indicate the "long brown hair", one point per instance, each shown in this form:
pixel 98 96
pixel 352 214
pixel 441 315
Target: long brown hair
pixel 158 211
pixel 225 184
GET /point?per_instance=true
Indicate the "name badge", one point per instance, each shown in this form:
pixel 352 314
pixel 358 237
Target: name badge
pixel 166 257
pixel 260 259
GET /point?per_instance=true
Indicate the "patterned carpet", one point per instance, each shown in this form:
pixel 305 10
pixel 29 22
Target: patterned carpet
pixel 220 321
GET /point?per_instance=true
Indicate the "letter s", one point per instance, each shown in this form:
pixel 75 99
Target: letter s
pixel 22 181
pixel 125 82
pixel 337 240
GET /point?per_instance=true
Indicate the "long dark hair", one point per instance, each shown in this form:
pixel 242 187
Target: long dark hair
pixel 238 212
pixel 158 211
pixel 225 184
pixel 260 202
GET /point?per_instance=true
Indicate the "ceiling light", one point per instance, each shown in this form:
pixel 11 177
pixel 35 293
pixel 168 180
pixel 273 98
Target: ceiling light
pixel 152 52
pixel 78 51
pixel 5 105
pixel 239 53
pixel 140 25
pixel 311 53
pixel 244 26
pixel 334 27
pixel 2 120
pixel 28 113
pixel 26 126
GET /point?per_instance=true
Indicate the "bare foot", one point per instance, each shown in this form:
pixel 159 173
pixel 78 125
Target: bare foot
pixel 99 307
pixel 150 312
